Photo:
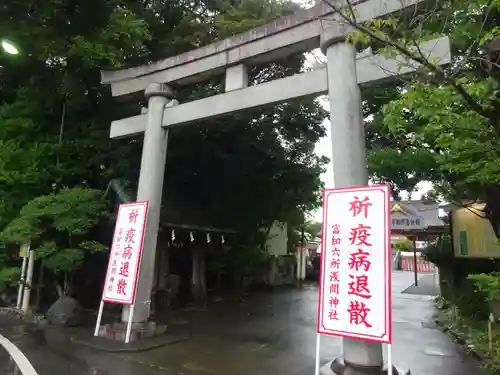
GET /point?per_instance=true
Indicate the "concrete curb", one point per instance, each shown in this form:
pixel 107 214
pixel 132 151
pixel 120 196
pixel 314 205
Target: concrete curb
pixel 110 346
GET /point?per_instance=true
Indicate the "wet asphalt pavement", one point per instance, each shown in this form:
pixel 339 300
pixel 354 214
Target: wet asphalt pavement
pixel 270 333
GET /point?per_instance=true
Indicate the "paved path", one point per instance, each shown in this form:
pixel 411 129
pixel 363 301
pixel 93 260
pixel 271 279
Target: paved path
pixel 266 334
pixel 275 334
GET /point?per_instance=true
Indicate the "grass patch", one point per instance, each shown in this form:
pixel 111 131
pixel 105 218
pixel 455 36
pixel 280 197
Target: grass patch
pixel 474 336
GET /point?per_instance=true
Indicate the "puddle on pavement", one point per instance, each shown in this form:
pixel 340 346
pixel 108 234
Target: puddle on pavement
pixel 198 368
pixel 28 340
pixel 437 352
pixel 13 371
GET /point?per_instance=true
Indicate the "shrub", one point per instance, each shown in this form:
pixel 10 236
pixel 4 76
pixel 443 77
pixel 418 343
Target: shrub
pixel 471 302
pixel 404 245
pixel 487 284
pixel 57 226
pixel 440 252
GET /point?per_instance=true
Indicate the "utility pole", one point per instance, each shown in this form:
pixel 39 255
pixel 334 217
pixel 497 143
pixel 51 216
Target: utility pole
pixel 415 272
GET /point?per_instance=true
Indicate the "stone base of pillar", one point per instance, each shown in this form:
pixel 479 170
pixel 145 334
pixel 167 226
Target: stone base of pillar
pixel 339 367
pixel 117 331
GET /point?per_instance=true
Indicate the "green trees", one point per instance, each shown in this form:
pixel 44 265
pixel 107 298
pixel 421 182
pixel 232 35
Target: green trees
pixel 57 227
pixel 441 124
pixel 53 117
pixel 404 245
pixel 313 229
pixel 58 113
pixel 246 170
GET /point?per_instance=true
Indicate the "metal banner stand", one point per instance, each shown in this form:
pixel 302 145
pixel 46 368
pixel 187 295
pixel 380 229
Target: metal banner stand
pixel 99 317
pixel 389 359
pixel 318 344
pixel 129 323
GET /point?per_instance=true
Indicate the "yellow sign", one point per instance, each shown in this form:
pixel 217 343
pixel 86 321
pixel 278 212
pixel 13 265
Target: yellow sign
pixel 473 235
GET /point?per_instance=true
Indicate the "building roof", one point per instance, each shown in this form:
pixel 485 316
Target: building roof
pixel 428 211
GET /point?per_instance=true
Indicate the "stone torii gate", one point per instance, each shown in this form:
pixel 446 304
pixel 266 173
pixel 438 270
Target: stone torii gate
pixel 340 79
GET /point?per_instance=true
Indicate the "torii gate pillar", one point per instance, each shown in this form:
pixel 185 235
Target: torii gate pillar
pixel 349 169
pixel 150 187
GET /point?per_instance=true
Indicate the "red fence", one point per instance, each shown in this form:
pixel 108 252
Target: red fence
pixel 407 264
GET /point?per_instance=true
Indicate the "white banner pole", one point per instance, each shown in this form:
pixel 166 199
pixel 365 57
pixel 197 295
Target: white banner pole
pixel 99 317
pixel 129 324
pixel 389 359
pixel 318 343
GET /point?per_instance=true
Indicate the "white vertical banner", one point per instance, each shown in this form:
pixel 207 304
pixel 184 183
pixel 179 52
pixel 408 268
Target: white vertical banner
pixel 355 292
pixel 125 254
pixel 124 260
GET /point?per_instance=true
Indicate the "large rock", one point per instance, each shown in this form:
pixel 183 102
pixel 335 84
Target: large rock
pixel 66 311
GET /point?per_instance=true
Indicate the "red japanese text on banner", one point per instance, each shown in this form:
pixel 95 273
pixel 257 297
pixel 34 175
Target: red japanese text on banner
pixel 356 264
pixel 125 254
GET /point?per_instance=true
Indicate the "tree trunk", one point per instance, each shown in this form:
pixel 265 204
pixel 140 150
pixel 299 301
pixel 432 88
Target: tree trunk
pixel 39 286
pixel 203 275
pixel 60 290
pixel 237 280
pixel 218 285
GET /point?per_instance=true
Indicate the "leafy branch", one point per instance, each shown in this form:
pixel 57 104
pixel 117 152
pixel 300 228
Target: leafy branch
pixel 58 226
pixel 416 55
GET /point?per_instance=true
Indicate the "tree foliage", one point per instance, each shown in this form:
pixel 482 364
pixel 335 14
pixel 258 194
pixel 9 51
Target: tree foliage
pixel 55 114
pixel 488 284
pixel 404 245
pixel 442 124
pixel 57 227
pixel 313 228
